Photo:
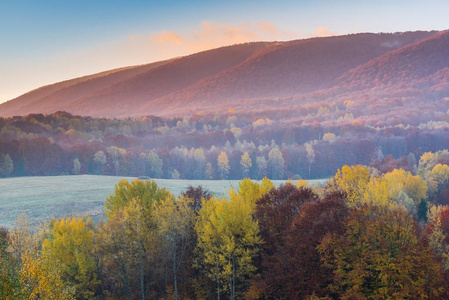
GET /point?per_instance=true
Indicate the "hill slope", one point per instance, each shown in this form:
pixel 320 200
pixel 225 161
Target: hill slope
pixel 231 76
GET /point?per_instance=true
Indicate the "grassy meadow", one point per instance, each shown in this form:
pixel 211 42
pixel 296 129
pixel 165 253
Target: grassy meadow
pixel 42 198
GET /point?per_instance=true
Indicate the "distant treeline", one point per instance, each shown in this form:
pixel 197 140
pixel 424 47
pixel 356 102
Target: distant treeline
pixel 207 146
pixel 363 235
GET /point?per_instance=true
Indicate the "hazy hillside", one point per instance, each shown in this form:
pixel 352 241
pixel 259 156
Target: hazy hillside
pixel 62 93
pixel 290 68
pixel 408 64
pixel 234 76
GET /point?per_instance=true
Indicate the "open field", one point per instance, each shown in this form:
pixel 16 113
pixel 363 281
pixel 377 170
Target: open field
pixel 42 198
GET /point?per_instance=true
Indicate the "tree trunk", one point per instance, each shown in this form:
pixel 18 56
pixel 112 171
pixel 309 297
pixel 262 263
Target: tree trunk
pixel 233 279
pixel 218 289
pixel 175 279
pixel 142 285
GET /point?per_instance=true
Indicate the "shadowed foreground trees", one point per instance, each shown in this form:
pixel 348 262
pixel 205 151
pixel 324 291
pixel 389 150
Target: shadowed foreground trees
pixel 381 255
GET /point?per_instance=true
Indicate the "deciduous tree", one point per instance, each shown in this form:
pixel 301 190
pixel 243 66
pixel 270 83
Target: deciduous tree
pixel 76 166
pixel 262 166
pixel 310 155
pixel 175 220
pixel 275 212
pixel 381 255
pixel 246 164
pixel 276 163
pixel 69 243
pixel 100 160
pixel 143 191
pixel 6 165
pixel 223 165
pixel 228 242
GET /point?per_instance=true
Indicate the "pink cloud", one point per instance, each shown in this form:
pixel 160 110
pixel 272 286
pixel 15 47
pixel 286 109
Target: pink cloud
pixel 211 35
pixel 165 37
pixel 322 32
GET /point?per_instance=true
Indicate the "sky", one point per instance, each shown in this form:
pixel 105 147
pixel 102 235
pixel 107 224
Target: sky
pixel 48 41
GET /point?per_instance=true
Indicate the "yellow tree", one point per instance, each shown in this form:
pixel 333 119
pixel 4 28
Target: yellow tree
pixel 246 164
pixel 428 160
pixel 376 192
pixel 175 221
pixel 249 191
pixel 440 173
pixel 301 183
pixel 10 287
pixel 360 186
pixel 223 165
pixel 400 180
pixel 438 180
pixel 353 180
pixel 228 241
pixel 141 230
pixel 145 192
pixel 130 211
pixel 40 275
pixel 70 243
pixel 406 189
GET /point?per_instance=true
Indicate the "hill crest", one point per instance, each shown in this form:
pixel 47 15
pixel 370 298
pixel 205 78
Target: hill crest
pixel 235 75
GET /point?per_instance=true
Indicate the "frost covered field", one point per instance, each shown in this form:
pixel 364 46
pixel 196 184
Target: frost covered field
pixel 42 198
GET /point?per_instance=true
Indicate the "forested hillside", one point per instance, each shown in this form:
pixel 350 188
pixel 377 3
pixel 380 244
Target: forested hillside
pixel 364 234
pixel 249 76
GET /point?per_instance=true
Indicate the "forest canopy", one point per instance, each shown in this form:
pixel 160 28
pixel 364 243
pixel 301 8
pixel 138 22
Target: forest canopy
pixel 363 234
pixel 209 146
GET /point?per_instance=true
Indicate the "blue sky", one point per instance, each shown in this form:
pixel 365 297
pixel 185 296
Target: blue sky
pixel 43 42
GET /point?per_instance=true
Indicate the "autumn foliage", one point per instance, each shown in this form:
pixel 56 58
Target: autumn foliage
pixel 360 236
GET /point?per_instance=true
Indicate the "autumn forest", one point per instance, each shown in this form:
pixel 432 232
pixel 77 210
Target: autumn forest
pixel 364 234
pixel 368 114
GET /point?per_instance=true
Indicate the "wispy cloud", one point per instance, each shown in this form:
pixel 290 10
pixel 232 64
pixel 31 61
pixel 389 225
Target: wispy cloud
pixel 210 35
pixel 165 37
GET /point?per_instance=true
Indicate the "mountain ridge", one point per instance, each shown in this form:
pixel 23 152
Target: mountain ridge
pixel 233 75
